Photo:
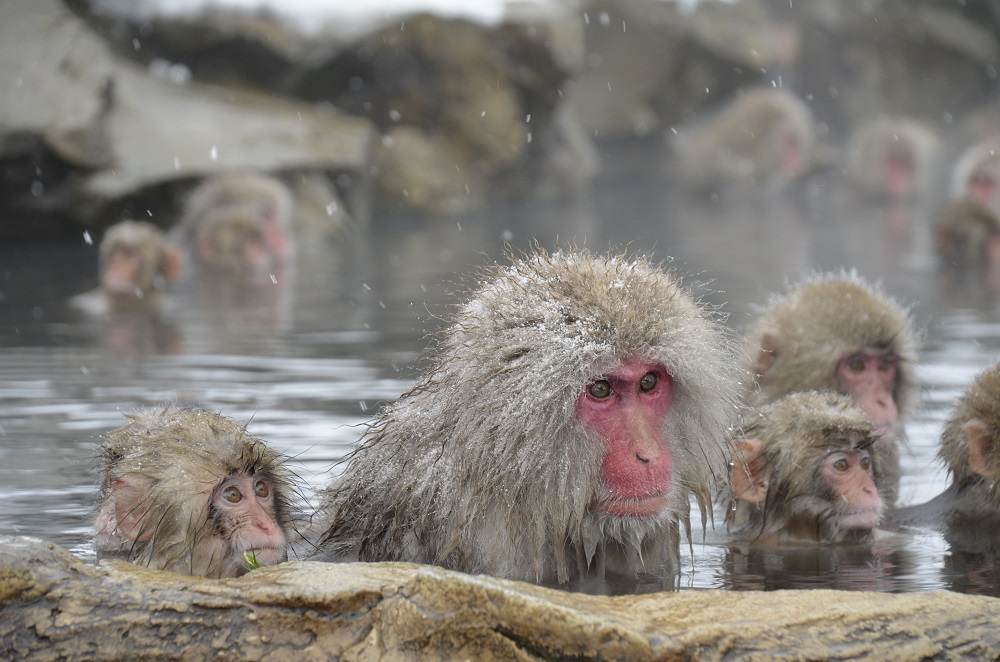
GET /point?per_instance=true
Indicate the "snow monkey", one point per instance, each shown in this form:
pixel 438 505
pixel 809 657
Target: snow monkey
pixel 764 137
pixel 192 492
pixel 892 158
pixel 135 262
pixel 976 175
pixel 574 405
pixel 970 449
pixel 836 332
pixel 802 473
pixel 968 235
pixel 239 225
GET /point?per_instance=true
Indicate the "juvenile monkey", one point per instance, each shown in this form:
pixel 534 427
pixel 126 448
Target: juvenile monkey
pixel 239 225
pixel 575 404
pixel 135 262
pixel 836 332
pixel 802 473
pixel 764 137
pixel 192 492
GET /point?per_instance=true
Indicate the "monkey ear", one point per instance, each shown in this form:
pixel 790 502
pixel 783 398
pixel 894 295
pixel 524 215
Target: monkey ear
pixel 768 352
pixel 982 446
pixel 130 511
pixel 747 475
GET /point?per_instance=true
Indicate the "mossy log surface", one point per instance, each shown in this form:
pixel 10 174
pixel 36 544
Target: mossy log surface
pixel 56 606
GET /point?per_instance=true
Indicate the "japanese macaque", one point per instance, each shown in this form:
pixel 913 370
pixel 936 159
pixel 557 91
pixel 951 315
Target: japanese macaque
pixel 836 332
pixel 802 473
pixel 135 262
pixel 970 449
pixel 239 225
pixel 892 159
pixel 576 403
pixel 968 235
pixel 976 175
pixel 192 492
pixel 763 138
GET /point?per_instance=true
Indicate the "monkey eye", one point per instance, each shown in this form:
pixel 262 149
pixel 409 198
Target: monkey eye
pixel 856 363
pixel 261 489
pixel 842 465
pixel 648 382
pixel 232 494
pixel 866 463
pixel 887 363
pixel 601 389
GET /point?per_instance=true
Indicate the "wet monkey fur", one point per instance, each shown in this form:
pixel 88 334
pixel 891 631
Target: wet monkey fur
pixel 193 492
pixel 574 404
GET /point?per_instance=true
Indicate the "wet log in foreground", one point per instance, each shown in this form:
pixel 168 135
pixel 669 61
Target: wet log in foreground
pixel 55 606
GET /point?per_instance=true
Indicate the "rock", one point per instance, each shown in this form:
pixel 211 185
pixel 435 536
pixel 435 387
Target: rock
pixel 926 60
pixel 55 605
pixel 159 133
pixel 652 64
pixel 480 94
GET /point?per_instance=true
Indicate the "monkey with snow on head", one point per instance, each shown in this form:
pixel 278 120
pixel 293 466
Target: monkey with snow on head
pixel 575 404
pixel 192 492
pixel 836 332
pixel 803 473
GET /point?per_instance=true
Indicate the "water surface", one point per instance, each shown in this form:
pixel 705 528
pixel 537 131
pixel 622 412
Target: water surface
pixel 323 349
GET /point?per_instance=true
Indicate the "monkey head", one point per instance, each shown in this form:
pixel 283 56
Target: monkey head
pixel 803 472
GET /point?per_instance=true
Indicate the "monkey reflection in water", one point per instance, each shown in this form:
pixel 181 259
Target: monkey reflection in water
pixel 192 492
pixel 577 401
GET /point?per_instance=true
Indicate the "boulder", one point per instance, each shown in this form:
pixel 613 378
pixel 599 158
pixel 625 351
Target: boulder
pixel 468 109
pixel 653 64
pixel 56 606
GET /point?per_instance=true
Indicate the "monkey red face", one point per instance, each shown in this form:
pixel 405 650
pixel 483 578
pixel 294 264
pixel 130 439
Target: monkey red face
pixel 870 377
pixel 848 474
pixel 898 174
pixel 246 505
pixel 627 408
pixel 791 156
pixel 122 271
pixel 982 187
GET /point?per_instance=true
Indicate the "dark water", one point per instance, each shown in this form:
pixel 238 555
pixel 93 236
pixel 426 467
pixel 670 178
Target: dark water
pixel 324 349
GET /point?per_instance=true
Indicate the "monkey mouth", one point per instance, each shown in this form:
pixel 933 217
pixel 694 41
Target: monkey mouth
pixel 267 555
pixel 644 507
pixel 869 518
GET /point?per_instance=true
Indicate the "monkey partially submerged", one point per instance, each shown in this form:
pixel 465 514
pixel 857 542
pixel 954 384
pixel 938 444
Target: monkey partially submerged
pixel 239 225
pixel 968 236
pixel 892 159
pixel 192 492
pixel 575 404
pixel 136 261
pixel 970 449
pixel 803 473
pixel 761 139
pixel 836 332
pixel 976 175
